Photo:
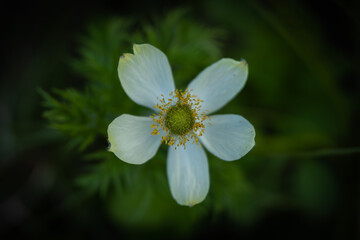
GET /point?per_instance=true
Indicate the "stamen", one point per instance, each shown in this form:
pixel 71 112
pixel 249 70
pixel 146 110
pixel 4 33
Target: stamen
pixel 180 119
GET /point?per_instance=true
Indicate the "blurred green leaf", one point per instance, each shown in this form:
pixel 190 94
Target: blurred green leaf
pixel 314 188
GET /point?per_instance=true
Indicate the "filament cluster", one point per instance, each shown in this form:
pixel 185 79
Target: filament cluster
pixel 179 118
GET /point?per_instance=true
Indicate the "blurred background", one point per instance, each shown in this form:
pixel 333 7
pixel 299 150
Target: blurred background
pixel 60 90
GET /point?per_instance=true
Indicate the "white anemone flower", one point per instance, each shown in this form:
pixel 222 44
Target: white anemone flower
pixel 181 119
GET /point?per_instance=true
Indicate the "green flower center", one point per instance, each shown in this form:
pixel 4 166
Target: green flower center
pixel 179 119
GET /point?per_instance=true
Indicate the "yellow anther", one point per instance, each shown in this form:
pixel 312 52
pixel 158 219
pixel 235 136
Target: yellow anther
pixel 180 98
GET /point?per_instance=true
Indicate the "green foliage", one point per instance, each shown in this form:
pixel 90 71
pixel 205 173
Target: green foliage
pixel 104 174
pixel 77 114
pixel 283 99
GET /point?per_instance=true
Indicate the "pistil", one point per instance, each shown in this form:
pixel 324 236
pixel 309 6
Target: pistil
pixel 180 118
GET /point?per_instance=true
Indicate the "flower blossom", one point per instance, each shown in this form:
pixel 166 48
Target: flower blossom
pixel 181 119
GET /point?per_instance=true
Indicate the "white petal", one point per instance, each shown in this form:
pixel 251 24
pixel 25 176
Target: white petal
pixel 219 83
pixel 131 140
pixel 229 137
pixel 145 75
pixel 188 174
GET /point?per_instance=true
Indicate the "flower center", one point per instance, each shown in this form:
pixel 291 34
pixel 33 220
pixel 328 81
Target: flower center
pixel 180 118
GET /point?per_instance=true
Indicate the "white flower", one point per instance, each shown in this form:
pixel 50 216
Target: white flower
pixel 180 119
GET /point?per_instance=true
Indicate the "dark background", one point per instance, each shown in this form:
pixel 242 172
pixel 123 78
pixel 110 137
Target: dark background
pixel 43 33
